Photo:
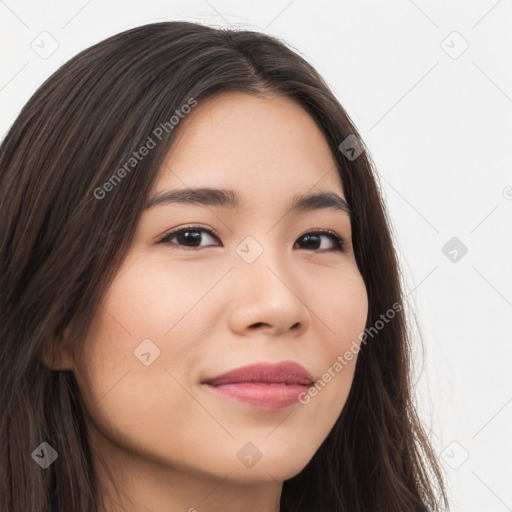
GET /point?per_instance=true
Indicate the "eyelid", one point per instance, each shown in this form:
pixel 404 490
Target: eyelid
pixel 175 231
pixel 324 231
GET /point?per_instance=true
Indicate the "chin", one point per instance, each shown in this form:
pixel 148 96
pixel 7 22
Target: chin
pixel 270 470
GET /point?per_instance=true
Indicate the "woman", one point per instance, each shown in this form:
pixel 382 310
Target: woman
pixel 201 300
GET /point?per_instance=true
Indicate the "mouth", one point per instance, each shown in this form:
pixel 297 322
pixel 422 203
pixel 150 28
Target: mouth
pixel 263 386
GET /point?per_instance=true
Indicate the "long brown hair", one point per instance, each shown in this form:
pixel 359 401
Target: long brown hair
pixel 61 243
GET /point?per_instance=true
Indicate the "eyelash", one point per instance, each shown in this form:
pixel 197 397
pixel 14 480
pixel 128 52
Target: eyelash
pixel 339 242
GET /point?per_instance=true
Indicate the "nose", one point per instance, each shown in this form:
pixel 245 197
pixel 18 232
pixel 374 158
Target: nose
pixel 268 298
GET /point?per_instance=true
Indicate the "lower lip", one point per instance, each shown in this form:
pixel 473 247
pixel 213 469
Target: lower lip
pixel 270 397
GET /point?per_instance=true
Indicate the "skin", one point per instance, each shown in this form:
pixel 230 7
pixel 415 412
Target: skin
pixel 168 442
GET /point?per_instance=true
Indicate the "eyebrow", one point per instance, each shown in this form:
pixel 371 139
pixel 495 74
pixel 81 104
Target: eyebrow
pixel 225 198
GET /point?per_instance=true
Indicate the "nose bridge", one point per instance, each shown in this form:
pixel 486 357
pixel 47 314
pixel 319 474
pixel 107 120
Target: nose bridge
pixel 258 262
pixel 266 289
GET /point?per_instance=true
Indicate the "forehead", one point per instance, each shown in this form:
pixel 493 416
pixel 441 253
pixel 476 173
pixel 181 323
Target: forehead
pixel 259 146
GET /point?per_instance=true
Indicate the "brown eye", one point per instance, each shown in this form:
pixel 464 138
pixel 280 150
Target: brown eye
pixel 188 237
pixel 313 240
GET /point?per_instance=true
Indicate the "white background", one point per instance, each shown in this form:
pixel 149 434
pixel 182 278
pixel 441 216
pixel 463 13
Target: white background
pixel 438 123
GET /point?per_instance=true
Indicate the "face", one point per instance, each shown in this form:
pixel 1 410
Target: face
pixel 255 283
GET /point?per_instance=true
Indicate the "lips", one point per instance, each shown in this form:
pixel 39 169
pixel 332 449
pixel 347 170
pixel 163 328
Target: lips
pixel 286 372
pixel 264 386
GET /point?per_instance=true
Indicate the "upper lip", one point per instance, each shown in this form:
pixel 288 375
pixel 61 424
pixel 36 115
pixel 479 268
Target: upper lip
pixel 286 372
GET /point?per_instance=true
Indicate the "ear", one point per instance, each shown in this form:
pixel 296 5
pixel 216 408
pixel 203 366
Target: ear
pixel 56 355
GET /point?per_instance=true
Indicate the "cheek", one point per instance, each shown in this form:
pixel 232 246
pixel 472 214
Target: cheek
pixel 140 356
pixel 342 313
pixel 133 404
pixel 137 320
pixel 148 299
pixel 158 296
pixel 343 310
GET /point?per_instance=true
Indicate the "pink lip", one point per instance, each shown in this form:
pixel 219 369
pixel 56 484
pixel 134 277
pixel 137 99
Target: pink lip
pixel 265 385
